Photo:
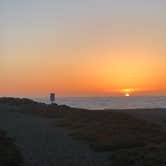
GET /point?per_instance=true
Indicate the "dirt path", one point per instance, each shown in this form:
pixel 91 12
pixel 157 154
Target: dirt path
pixel 43 144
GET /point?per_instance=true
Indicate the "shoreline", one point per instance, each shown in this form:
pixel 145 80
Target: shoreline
pixel 153 115
pixel 93 103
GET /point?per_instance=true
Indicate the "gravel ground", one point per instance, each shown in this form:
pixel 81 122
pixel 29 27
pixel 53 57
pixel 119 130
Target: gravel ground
pixel 43 144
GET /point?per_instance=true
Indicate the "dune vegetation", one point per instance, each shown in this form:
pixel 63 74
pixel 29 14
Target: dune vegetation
pixel 9 153
pixel 132 141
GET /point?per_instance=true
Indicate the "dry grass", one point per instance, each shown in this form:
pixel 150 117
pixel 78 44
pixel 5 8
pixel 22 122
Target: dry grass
pixel 132 141
pixel 110 130
pixel 9 152
pixel 154 155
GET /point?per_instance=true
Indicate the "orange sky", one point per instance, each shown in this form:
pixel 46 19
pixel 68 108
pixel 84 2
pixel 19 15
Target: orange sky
pixel 83 50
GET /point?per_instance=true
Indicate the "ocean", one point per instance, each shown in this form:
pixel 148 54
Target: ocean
pixel 121 102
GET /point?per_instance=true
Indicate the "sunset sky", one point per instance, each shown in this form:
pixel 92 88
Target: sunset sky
pixel 82 47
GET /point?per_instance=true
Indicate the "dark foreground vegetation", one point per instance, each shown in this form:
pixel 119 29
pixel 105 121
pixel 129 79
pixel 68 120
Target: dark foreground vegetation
pixel 133 142
pixel 25 105
pixel 9 152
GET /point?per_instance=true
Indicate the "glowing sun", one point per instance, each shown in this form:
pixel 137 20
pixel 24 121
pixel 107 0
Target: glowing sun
pixel 127 94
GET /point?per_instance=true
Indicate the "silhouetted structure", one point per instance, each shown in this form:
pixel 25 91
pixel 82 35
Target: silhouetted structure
pixel 52 98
